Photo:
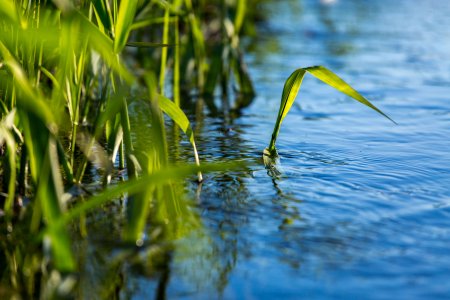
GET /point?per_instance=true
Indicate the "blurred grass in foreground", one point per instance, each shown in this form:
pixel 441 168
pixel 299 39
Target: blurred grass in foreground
pixel 69 71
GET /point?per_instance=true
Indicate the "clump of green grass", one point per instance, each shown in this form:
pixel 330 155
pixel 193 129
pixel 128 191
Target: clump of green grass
pixel 290 92
pixel 68 73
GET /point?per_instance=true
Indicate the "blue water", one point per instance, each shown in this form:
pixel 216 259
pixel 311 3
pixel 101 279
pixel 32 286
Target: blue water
pixel 362 210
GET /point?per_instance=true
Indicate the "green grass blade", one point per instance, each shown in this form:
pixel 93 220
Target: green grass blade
pixel 242 75
pixel 292 87
pixel 336 82
pixel 147 45
pixel 165 40
pixel 290 91
pixel 6 137
pixel 102 11
pixel 31 100
pixel 51 77
pixel 102 44
pixel 241 6
pixel 198 43
pixel 178 116
pixel 49 193
pixel 138 207
pixel 46 176
pixel 9 11
pixel 176 64
pixel 127 11
pixel 50 189
pixel 140 24
pixel 141 184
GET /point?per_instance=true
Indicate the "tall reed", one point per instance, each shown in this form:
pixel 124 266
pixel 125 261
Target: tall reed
pixel 290 92
pixel 69 73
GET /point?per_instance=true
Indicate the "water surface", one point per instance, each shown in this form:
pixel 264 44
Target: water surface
pixel 362 209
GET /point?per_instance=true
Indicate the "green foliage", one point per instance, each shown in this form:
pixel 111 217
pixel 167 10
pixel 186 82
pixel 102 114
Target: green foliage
pixel 291 89
pixel 125 16
pixel 66 84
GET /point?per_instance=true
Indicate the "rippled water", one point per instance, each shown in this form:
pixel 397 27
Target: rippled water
pixel 362 209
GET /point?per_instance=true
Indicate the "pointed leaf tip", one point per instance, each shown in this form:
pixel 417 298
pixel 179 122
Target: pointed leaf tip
pixel 292 87
pixel 331 79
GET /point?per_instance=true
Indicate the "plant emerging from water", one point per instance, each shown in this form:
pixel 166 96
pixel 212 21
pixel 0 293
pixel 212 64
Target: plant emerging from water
pixel 290 91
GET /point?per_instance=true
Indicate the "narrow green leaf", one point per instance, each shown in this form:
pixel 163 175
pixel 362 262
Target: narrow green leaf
pixel 242 75
pixel 49 192
pixel 215 68
pixel 199 43
pixel 138 207
pixel 102 11
pixel 178 116
pixel 147 45
pixel 141 184
pixel 103 45
pixel 31 99
pixel 51 77
pixel 335 81
pixel 162 70
pixel 8 10
pixel 125 17
pixel 6 137
pixel 292 87
pixel 290 91
pixel 176 64
pixel 147 22
pixel 241 6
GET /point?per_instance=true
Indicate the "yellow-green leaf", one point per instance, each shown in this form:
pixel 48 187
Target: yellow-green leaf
pixel 292 87
pixel 125 17
pixel 335 81
pixel 178 116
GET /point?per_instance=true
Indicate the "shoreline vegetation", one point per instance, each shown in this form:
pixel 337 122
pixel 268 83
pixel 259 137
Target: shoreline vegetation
pixel 92 97
pixel 70 72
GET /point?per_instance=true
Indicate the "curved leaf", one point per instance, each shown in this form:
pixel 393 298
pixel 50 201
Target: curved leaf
pixel 335 81
pixel 290 91
pixel 127 11
pixel 178 116
pixel 292 87
pixel 140 184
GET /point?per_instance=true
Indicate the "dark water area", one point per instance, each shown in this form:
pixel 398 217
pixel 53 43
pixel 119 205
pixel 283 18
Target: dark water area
pixel 362 208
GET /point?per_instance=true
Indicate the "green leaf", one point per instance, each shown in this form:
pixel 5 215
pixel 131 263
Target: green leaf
pixel 162 72
pixel 292 87
pixel 31 100
pixel 125 17
pixel 178 116
pixel 103 45
pixel 6 137
pixel 241 6
pixel 148 45
pixel 141 184
pixel 8 10
pixel 102 11
pixel 290 91
pixel 335 81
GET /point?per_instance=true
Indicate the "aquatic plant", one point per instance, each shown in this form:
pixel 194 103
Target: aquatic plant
pixel 290 92
pixel 70 71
